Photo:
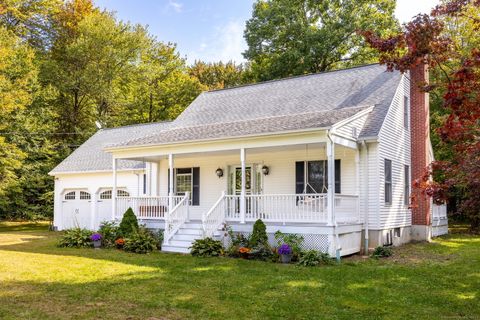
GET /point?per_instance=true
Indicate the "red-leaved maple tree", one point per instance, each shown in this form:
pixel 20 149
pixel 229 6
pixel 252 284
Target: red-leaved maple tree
pixel 424 40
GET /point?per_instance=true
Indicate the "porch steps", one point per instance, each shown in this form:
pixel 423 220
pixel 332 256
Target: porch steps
pixel 185 236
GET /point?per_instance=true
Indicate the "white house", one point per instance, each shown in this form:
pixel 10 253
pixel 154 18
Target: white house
pixel 330 156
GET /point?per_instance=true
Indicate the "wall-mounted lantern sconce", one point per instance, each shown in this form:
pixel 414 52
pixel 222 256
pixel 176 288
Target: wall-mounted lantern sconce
pixel 265 170
pixel 219 172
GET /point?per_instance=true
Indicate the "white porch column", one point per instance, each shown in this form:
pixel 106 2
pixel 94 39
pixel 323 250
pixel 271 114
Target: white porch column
pixel 114 189
pixel 331 182
pixel 243 190
pixel 170 182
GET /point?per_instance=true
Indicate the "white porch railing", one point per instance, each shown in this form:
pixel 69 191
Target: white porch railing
pixel 176 218
pixel 293 208
pixel 347 208
pixel 439 211
pixel 212 220
pixel 147 208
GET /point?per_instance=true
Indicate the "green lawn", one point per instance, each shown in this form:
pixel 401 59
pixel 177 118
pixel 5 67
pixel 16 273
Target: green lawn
pixel 422 281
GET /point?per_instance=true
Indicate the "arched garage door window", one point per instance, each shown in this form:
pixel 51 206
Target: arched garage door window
pixel 85 195
pixel 122 193
pixel 70 195
pixel 107 194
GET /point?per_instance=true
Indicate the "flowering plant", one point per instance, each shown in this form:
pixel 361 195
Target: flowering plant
pixel 96 237
pixel 285 249
pixel 119 242
pixel 244 250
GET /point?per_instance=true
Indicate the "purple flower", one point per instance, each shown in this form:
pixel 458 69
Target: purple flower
pixel 96 237
pixel 284 249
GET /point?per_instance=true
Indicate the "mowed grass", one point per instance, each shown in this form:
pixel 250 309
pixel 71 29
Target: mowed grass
pixel 439 280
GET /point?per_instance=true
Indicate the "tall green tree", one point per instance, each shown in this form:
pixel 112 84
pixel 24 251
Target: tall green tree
pixel 218 75
pixel 293 37
pixel 161 87
pixel 18 76
pixel 29 19
pixel 90 65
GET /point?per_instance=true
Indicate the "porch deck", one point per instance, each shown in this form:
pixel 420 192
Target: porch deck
pixel 304 214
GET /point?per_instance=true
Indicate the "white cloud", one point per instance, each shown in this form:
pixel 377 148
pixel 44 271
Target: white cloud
pixel 176 6
pixel 224 44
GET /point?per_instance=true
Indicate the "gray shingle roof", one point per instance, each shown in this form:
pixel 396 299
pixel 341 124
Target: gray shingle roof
pixel 297 103
pixel 241 128
pixel 90 156
pixel 283 104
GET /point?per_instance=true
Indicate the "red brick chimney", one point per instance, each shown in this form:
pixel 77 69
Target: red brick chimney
pixel 420 145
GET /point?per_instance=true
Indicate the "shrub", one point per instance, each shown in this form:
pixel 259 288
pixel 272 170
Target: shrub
pixel 76 238
pixel 382 252
pixel 109 231
pixel 261 252
pixel 293 240
pixel 140 241
pixel 158 235
pixel 129 223
pixel 207 247
pixel 259 234
pixel 312 258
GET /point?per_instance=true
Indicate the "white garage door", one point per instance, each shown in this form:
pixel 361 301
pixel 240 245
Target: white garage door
pixel 104 207
pixel 76 209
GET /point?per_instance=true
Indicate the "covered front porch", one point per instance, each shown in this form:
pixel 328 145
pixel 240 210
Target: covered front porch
pixel 307 187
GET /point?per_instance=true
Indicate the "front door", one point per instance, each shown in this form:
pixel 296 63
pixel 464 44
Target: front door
pixel 237 181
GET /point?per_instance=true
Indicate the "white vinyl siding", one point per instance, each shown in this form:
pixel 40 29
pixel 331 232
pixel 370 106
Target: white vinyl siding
pixel 394 144
pixel 349 128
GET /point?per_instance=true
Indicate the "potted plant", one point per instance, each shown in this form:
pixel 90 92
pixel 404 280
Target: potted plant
pixel 244 252
pixel 96 239
pixel 119 243
pixel 285 252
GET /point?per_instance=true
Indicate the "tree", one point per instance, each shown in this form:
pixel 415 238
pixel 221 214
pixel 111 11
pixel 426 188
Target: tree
pixel 29 19
pixel 218 75
pixel 452 55
pixel 17 78
pixel 296 37
pixel 161 88
pixel 90 65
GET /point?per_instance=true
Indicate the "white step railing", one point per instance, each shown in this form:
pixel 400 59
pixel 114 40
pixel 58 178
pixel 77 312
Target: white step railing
pixel 146 208
pixel 212 220
pixel 292 208
pixel 176 218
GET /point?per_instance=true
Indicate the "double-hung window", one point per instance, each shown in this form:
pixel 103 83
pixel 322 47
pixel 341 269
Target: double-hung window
pixel 312 176
pixel 184 181
pixel 388 181
pixel 187 180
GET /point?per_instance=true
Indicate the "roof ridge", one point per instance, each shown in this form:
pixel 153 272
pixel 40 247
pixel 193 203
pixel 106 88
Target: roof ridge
pixel 291 77
pixel 137 125
pixel 268 117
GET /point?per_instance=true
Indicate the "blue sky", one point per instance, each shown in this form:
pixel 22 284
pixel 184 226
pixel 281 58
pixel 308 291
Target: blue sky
pixel 210 30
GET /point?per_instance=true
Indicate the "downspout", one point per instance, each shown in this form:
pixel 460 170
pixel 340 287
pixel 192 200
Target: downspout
pixel 365 146
pixel 335 229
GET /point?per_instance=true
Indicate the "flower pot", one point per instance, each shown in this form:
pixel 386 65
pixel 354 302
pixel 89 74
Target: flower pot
pixel 97 244
pixel 286 258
